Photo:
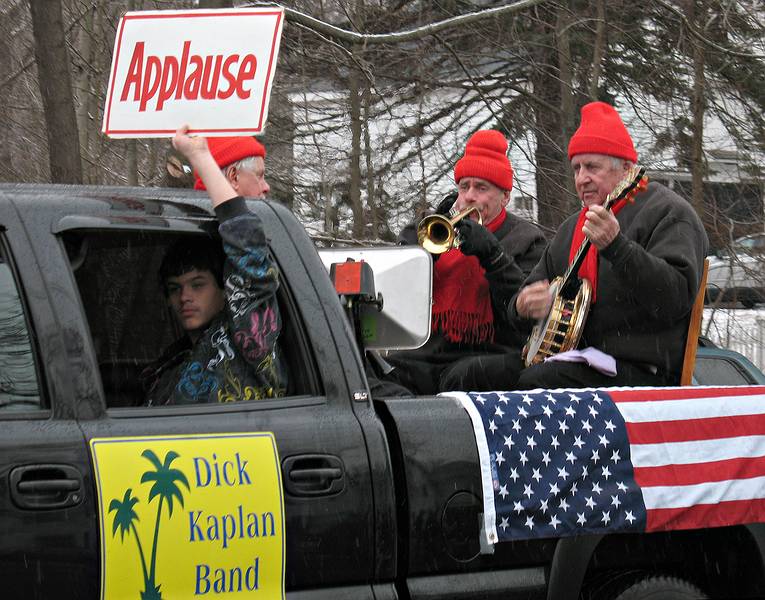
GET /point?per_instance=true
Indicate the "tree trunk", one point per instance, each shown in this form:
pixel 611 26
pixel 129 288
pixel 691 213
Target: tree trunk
pixel 7 167
pixel 83 91
pixel 371 200
pixel 354 166
pixel 598 49
pixel 552 205
pixel 216 3
pixel 330 213
pixel 53 76
pixel 278 138
pixel 563 46
pixel 132 162
pixel 698 106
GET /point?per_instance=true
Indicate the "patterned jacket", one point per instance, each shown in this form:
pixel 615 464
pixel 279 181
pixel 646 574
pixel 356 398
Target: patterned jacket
pixel 236 356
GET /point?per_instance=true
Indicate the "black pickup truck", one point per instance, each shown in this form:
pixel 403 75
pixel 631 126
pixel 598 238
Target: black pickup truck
pixel 381 496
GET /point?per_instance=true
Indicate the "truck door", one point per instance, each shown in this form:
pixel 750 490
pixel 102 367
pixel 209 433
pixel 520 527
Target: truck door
pixel 324 465
pixel 46 511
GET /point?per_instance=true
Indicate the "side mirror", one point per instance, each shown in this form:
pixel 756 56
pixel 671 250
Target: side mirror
pixel 403 277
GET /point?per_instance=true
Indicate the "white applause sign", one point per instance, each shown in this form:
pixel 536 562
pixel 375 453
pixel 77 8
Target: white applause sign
pixel 212 69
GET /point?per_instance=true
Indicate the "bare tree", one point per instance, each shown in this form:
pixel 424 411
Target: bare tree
pixel 53 76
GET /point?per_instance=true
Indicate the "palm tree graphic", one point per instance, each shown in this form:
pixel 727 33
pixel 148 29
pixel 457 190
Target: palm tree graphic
pixel 165 486
pixel 125 518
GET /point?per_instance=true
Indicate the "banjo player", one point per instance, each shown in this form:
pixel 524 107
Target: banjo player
pixel 644 266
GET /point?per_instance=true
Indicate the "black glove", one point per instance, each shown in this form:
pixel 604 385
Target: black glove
pixel 478 241
pixel 446 203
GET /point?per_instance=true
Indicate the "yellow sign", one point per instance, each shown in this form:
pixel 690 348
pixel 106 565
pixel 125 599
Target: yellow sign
pixel 190 516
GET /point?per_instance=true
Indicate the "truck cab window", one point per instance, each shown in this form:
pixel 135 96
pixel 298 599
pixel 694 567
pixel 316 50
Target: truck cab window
pixel 18 375
pixel 131 324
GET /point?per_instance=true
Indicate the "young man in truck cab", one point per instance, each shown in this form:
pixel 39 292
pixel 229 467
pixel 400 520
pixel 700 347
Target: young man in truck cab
pixel 223 298
pixel 473 284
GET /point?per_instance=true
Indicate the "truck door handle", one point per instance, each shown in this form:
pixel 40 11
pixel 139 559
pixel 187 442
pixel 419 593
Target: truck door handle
pixel 313 475
pixel 303 475
pixel 46 486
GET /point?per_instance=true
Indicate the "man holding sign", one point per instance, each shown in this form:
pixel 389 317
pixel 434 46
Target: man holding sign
pixel 229 313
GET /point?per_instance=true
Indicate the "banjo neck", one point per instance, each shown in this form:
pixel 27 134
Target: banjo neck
pixel 632 183
pixel 570 283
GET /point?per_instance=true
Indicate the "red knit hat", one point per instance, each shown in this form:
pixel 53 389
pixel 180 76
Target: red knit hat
pixel 601 131
pixel 486 158
pixel 227 150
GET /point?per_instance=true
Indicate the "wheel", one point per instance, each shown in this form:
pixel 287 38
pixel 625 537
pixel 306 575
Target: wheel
pixel 655 587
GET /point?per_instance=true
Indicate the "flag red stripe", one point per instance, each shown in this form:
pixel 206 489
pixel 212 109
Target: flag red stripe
pixel 685 393
pixel 695 429
pixel 720 470
pixel 706 515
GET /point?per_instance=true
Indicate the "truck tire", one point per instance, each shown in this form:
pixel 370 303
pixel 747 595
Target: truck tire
pixel 654 587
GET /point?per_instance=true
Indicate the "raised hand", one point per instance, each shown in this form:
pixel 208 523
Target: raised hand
pixel 196 151
pixel 600 226
pixel 192 148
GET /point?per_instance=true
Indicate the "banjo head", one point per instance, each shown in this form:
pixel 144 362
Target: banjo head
pixel 560 330
pixel 536 338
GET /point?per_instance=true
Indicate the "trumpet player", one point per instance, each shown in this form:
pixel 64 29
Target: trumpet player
pixel 474 283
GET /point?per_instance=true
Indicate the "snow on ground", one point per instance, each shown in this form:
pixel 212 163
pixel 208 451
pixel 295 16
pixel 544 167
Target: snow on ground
pixel 742 330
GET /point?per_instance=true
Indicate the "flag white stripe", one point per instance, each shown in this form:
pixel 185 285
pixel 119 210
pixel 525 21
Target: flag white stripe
pixel 484 458
pixel 682 496
pixel 699 408
pixel 698 451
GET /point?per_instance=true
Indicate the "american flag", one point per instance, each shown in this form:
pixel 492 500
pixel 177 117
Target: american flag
pixel 570 462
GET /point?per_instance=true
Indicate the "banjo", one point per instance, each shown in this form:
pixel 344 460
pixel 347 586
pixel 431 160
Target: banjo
pixel 562 327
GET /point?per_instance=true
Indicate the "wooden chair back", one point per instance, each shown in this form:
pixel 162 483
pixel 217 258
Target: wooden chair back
pixel 694 329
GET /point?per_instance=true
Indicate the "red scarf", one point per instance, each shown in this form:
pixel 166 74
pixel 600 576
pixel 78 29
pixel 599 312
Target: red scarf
pixel 461 299
pixel 589 268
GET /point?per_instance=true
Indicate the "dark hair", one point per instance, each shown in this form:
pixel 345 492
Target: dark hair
pixel 189 253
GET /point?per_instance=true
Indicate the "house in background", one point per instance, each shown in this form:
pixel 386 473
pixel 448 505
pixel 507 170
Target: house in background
pixel 733 197
pixel 424 158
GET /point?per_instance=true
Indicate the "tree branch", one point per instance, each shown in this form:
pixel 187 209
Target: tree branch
pixel 402 36
pixel 695 33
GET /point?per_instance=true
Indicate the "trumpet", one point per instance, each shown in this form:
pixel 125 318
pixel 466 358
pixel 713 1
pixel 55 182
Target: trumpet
pixel 436 233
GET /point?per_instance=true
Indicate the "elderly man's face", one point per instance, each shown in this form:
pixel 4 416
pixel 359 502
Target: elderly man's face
pixel 484 195
pixel 250 181
pixel 595 176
